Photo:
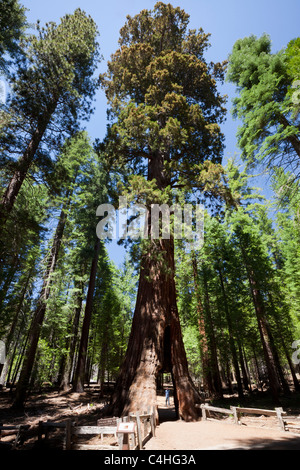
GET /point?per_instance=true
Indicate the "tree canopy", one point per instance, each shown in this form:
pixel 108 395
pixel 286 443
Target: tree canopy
pixel 269 134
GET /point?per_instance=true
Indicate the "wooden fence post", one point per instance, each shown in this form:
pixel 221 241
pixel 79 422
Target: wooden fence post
pixel 40 432
pixel 139 431
pixel 235 414
pixel 204 417
pixel 120 435
pixel 152 421
pixel 68 436
pixel 279 412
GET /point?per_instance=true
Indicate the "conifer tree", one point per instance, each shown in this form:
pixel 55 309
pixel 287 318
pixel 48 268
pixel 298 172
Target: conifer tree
pixel 269 134
pixel 52 89
pixel 165 111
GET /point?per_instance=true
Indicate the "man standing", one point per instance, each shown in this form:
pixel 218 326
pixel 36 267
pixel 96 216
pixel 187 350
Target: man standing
pixel 167 393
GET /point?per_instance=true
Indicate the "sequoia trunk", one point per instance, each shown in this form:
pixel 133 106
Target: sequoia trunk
pixel 155 343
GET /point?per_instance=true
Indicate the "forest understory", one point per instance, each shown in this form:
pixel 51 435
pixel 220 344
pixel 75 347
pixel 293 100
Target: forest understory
pixel 85 408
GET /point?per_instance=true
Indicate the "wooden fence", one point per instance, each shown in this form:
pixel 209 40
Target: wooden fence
pixel 286 423
pixel 143 429
pixel 14 430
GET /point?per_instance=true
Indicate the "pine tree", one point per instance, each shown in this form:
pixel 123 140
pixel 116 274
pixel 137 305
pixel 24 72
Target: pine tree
pixel 269 134
pixel 52 90
pixel 12 25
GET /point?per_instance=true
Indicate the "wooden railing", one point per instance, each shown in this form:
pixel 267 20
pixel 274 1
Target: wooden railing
pixel 236 412
pixel 145 426
pixel 14 430
pixel 143 430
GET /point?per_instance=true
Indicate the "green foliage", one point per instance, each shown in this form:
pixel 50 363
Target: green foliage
pixel 52 89
pixel 268 135
pixel 12 26
pixel 164 103
pixel 292 54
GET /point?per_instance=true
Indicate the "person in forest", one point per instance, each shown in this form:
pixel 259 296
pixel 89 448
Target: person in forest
pixel 167 394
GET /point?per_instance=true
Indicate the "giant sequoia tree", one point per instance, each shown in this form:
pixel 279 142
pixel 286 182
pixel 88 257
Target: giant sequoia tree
pixel 165 110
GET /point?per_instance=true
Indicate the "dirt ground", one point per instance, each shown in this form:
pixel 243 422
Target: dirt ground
pixel 257 432
pixel 254 433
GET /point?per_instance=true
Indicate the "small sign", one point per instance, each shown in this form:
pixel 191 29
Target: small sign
pixel 126 427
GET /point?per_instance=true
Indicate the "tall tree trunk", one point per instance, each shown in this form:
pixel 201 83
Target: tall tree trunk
pixel 24 164
pixel 263 329
pixel 207 379
pixel 78 382
pixel 285 349
pixel 11 333
pixel 155 343
pixel 214 366
pixel 231 336
pixel 68 359
pixel 38 318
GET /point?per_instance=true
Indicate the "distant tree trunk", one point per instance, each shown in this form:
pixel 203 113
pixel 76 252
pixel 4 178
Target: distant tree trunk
pixel 280 372
pixel 291 366
pixel 259 379
pixel 207 379
pixel 102 365
pixel 8 276
pixel 155 342
pixel 214 366
pixel 38 318
pixel 78 382
pixel 231 336
pixel 285 349
pixel 263 330
pixel 68 359
pixel 243 368
pixel 11 333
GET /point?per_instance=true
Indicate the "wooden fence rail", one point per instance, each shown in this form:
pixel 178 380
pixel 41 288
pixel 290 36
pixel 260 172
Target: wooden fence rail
pixel 17 430
pixel 237 411
pixel 143 429
pixel 145 424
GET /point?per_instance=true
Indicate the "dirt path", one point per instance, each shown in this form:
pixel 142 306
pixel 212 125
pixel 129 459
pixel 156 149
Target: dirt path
pixel 172 434
pixel 208 435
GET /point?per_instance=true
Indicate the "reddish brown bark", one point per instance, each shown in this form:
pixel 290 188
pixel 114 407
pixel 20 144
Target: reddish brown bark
pixel 231 336
pixel 214 364
pixel 263 330
pixel 24 164
pixel 79 379
pixel 155 343
pixel 39 314
pixel 207 379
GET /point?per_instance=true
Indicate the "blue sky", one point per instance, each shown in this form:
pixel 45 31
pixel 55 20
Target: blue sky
pixel 225 20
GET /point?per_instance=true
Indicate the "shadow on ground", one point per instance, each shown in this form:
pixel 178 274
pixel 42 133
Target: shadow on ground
pixel 166 414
